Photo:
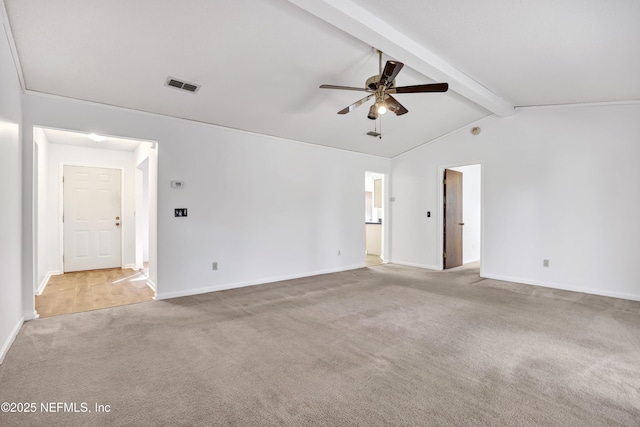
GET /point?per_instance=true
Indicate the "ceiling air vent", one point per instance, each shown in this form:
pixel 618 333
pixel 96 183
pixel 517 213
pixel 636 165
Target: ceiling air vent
pixel 190 87
pixel 179 84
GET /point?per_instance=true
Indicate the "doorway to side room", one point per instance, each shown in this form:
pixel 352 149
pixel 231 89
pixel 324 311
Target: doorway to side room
pixel 373 218
pixel 94 199
pixel 461 197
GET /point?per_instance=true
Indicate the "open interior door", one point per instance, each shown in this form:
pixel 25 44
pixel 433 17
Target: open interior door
pixel 452 256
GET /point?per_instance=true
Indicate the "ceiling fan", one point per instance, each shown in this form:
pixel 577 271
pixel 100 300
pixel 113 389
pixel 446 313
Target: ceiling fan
pixel 381 86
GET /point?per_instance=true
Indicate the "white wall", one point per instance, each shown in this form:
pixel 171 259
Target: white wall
pixel 142 159
pixel 69 155
pixel 11 314
pixel 43 268
pixel 229 175
pixel 142 212
pixel 146 161
pixel 471 212
pixel 559 183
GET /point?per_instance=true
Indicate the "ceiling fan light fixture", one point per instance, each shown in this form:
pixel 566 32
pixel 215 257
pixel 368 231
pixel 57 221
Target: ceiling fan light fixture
pixel 96 138
pixel 373 112
pixel 382 85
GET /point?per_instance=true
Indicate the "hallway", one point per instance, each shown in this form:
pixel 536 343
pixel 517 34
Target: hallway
pixel 91 290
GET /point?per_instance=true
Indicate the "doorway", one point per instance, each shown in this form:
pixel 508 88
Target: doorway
pixel 461 224
pixel 90 261
pixel 374 218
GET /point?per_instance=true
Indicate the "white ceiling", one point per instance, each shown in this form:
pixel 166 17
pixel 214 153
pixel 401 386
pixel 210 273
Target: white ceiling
pixel 64 137
pixel 530 52
pixel 260 62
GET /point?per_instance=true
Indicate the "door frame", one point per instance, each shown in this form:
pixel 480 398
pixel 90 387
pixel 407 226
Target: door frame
pixel 439 178
pixel 385 225
pixel 61 213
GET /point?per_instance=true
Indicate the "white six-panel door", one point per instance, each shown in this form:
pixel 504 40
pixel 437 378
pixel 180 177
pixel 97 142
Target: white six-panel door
pixel 91 218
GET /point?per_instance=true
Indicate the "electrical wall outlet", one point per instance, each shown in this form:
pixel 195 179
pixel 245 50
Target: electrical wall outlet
pixel 545 263
pixel 214 265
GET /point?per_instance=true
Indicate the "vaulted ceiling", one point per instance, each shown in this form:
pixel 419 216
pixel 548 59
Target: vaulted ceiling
pixel 260 63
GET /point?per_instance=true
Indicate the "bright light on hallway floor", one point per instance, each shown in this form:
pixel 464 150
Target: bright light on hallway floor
pixel 91 290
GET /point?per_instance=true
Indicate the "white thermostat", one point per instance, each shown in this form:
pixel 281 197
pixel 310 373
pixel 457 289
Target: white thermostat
pixel 177 184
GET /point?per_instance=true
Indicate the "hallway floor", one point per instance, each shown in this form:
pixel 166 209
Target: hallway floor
pixel 91 290
pixel 373 260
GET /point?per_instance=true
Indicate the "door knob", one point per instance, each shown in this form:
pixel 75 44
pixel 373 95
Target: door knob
pixel 117 218
pixel 117 224
pixel 461 223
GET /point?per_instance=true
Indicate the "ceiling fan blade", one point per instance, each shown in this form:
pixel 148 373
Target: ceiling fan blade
pixel 394 106
pixel 362 89
pixel 433 87
pixel 391 70
pixel 355 105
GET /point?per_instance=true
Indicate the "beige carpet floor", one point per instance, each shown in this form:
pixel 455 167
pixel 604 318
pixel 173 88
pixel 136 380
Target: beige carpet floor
pixel 387 345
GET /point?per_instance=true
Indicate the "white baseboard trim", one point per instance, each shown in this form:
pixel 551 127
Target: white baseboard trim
pixel 411 264
pixel 553 285
pixel 152 285
pixel 12 336
pixel 30 315
pixel 223 287
pixel 45 281
pixel 467 261
pixel 130 266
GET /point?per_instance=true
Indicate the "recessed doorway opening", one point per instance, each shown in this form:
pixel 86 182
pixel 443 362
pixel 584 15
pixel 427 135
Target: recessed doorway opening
pixel 94 221
pixel 374 218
